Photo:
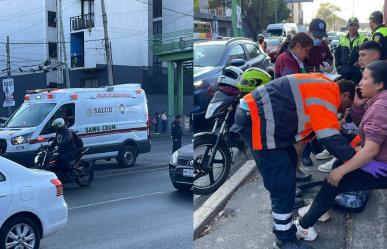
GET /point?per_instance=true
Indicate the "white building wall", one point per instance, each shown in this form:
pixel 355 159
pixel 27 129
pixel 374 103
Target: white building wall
pixel 128 33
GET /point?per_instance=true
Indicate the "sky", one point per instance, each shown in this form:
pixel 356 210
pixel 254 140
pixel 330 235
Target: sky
pixel 361 8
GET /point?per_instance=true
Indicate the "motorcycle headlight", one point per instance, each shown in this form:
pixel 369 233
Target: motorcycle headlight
pixel 212 108
pixel 175 155
pixel 24 139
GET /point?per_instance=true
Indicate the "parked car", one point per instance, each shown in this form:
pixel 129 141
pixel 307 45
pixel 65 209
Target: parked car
pixel 31 205
pixel 273 47
pixel 181 169
pixel 212 56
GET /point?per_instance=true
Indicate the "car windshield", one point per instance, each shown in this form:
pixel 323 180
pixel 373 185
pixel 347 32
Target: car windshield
pixel 208 55
pixel 275 32
pixel 30 115
pixel 273 41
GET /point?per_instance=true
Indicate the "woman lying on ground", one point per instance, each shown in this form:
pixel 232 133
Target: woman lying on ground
pixel 368 168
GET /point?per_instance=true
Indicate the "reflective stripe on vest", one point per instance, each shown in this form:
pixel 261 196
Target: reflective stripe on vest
pixel 255 121
pixel 269 117
pixel 382 30
pixel 306 93
pixel 346 42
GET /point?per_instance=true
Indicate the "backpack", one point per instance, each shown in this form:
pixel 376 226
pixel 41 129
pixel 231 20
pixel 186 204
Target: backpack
pixel 78 141
pixel 354 201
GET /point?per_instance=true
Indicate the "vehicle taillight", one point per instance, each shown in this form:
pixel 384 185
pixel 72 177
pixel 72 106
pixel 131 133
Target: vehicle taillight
pixel 74 97
pixel 50 96
pixel 58 185
pixel 27 98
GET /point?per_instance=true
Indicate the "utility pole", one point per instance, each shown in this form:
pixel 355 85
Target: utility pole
pixel 62 41
pixel 59 45
pixel 8 70
pixel 107 45
pixel 275 9
pixel 8 58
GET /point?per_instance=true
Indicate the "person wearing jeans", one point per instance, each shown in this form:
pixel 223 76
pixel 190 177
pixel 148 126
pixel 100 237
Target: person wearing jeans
pixel 367 169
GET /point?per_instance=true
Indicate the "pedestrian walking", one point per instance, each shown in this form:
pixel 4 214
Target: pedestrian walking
pixel 164 121
pixel 274 117
pixel 155 122
pixel 176 133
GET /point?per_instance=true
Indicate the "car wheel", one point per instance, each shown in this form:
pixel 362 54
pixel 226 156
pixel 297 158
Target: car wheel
pixel 127 156
pixel 20 232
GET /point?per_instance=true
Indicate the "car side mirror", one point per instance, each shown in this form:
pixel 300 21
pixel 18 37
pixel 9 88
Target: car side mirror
pixel 237 62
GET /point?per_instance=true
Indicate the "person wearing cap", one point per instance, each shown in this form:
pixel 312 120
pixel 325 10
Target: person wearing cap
pixel 320 58
pixel 176 133
pixel 379 31
pixel 347 52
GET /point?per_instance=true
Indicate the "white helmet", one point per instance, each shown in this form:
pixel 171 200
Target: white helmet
pixel 58 123
pixel 230 76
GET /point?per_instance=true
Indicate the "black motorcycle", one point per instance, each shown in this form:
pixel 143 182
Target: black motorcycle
pixel 83 172
pixel 213 150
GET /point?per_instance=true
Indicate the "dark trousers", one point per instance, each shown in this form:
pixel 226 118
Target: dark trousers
pixel 176 144
pixel 278 170
pixel 156 128
pixel 353 181
pixel 164 124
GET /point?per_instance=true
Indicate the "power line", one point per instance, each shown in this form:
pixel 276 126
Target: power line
pixel 176 11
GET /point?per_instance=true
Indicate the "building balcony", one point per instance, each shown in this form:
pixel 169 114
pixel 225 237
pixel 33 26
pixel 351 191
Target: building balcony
pixel 82 22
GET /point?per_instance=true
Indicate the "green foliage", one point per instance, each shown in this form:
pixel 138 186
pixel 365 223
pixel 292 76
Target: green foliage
pixel 329 13
pixel 259 13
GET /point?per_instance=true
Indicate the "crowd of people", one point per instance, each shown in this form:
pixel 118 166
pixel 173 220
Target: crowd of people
pixel 281 122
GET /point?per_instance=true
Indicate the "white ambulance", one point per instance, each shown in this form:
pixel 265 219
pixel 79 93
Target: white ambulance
pixel 112 122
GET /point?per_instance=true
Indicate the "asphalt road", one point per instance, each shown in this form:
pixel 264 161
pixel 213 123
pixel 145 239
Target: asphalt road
pixel 128 208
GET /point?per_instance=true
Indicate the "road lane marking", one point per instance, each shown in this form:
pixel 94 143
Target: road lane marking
pixel 116 200
pixel 129 173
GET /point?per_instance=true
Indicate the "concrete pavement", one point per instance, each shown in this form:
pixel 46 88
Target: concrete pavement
pixel 245 222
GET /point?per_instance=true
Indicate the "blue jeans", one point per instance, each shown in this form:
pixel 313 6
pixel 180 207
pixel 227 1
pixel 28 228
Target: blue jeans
pixel 278 170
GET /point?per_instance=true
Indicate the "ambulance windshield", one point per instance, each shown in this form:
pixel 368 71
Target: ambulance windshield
pixel 30 115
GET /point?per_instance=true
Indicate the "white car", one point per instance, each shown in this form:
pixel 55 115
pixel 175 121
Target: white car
pixel 31 205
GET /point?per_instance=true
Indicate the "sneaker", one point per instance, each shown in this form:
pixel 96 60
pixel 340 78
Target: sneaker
pixel 326 167
pixel 306 161
pixel 305 234
pixel 302 211
pixel 291 245
pixel 302 177
pixel 323 155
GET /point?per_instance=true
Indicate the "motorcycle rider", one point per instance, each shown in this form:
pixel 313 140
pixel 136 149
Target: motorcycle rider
pixel 66 144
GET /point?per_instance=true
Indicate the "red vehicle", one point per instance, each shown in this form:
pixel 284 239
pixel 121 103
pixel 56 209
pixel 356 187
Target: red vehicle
pixel 273 47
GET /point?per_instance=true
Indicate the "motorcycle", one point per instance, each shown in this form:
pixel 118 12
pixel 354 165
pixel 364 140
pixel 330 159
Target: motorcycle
pixel 213 150
pixel 83 172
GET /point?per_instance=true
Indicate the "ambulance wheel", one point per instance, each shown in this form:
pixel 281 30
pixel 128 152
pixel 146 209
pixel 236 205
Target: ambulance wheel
pixel 127 156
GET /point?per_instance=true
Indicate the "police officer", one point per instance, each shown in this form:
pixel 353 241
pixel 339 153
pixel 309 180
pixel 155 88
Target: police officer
pixel 379 31
pixel 273 117
pixel 176 133
pixel 347 52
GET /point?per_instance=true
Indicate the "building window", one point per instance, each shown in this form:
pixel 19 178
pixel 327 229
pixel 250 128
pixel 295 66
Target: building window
pixel 157 32
pixel 90 83
pixel 52 51
pixel 51 19
pixel 157 8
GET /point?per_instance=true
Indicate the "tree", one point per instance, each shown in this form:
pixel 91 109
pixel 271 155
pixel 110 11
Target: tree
pixel 257 14
pixel 328 12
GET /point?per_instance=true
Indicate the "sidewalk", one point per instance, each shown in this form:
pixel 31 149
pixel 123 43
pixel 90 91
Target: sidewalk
pixel 245 221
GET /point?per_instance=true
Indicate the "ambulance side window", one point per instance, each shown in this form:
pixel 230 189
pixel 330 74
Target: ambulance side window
pixel 67 112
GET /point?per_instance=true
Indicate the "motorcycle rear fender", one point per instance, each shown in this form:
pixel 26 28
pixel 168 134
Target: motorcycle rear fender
pixel 208 135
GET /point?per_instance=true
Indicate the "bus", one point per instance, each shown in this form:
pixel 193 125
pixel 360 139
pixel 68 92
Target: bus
pixel 202 30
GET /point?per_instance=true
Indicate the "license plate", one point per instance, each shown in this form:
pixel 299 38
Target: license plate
pixel 188 172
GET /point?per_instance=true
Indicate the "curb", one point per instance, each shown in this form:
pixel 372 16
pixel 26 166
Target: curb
pixel 212 206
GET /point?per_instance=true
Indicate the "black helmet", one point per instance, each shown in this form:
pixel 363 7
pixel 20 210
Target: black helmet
pixel 261 37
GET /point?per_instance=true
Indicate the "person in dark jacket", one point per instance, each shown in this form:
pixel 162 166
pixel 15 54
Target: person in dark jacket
pixel 291 61
pixel 176 133
pixel 347 52
pixel 274 117
pixel 65 142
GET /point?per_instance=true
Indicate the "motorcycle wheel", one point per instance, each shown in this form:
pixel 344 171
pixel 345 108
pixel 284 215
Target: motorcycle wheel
pixel 86 177
pixel 208 182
